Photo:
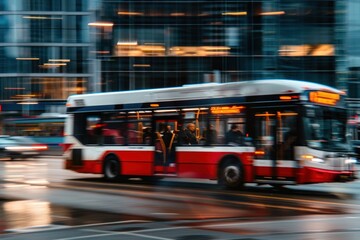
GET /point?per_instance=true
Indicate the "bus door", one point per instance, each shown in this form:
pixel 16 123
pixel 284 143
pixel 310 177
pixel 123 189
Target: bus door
pixel 165 129
pixel 275 137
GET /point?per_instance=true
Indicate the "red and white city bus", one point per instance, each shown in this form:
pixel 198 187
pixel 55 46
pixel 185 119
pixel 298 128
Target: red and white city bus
pixel 293 132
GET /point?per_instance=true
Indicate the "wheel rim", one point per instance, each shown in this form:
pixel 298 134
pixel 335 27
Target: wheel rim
pixel 232 174
pixel 111 169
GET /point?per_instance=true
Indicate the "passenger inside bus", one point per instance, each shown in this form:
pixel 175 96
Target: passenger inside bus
pixel 210 135
pixel 188 135
pixel 169 138
pixel 234 135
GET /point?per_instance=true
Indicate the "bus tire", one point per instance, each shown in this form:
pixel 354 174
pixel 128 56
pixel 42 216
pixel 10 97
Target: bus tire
pixel 231 174
pixel 112 168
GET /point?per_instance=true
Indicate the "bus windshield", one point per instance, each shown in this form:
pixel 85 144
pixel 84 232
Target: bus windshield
pixel 325 129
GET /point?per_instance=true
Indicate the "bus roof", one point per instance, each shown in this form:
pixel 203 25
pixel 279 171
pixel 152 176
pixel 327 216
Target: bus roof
pixel 198 91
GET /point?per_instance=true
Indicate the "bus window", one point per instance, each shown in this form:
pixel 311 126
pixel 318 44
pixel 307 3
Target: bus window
pixel 101 129
pixel 265 123
pixel 139 127
pixel 327 129
pixel 113 133
pixel 133 135
pixel 235 130
pixel 94 128
pixel 286 134
pixel 224 117
pixel 276 134
pixel 210 134
pixel 194 122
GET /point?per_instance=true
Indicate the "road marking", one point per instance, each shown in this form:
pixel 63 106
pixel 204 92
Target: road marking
pixel 109 223
pixel 51 227
pixel 159 229
pixel 276 222
pixel 88 236
pixel 152 237
pixel 132 233
pixel 109 233
pixel 197 199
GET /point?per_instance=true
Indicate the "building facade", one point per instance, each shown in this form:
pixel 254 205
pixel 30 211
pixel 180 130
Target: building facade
pixel 50 49
pixel 353 57
pixel 170 43
pixel 45 48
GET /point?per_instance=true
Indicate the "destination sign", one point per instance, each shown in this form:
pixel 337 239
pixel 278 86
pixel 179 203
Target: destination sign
pixel 325 98
pixel 226 109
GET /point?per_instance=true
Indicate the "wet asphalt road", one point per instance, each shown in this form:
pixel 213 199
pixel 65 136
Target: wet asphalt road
pixel 40 200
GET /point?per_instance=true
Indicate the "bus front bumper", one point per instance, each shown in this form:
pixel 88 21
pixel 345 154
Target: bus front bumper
pixel 315 175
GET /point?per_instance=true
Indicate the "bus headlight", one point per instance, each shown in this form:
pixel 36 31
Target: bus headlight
pixel 312 158
pixel 317 160
pixel 350 160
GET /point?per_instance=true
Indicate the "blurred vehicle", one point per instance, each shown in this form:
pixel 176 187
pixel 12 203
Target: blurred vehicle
pixel 298 130
pixel 45 128
pixel 356 148
pixel 20 147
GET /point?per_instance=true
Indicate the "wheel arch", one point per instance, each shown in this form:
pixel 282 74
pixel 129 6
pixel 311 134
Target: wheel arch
pixel 108 156
pixel 229 158
pixel 231 172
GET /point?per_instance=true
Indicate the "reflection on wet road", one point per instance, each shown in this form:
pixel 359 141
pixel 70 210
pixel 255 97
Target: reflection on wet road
pixel 26 215
pixel 40 198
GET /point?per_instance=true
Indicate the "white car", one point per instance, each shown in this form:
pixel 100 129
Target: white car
pixel 19 147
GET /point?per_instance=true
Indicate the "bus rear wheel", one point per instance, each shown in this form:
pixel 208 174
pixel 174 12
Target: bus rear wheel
pixel 112 168
pixel 231 175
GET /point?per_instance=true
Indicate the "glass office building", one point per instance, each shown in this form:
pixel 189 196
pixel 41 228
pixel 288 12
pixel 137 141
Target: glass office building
pixel 353 58
pixel 45 48
pixel 50 49
pixel 169 43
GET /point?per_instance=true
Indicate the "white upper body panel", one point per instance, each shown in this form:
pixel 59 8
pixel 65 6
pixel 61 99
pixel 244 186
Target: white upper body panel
pixel 198 91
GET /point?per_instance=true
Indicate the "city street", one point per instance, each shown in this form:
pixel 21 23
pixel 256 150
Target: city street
pixel 194 119
pixel 40 200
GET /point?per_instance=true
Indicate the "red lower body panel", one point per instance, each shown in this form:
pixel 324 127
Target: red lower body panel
pixel 314 175
pixel 187 165
pixel 85 167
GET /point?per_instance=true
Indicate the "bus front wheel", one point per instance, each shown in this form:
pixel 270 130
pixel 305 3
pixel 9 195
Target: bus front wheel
pixel 112 168
pixel 231 174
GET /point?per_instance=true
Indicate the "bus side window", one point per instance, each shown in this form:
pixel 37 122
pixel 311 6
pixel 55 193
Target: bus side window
pixel 132 133
pixel 121 128
pixel 147 133
pixel 210 135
